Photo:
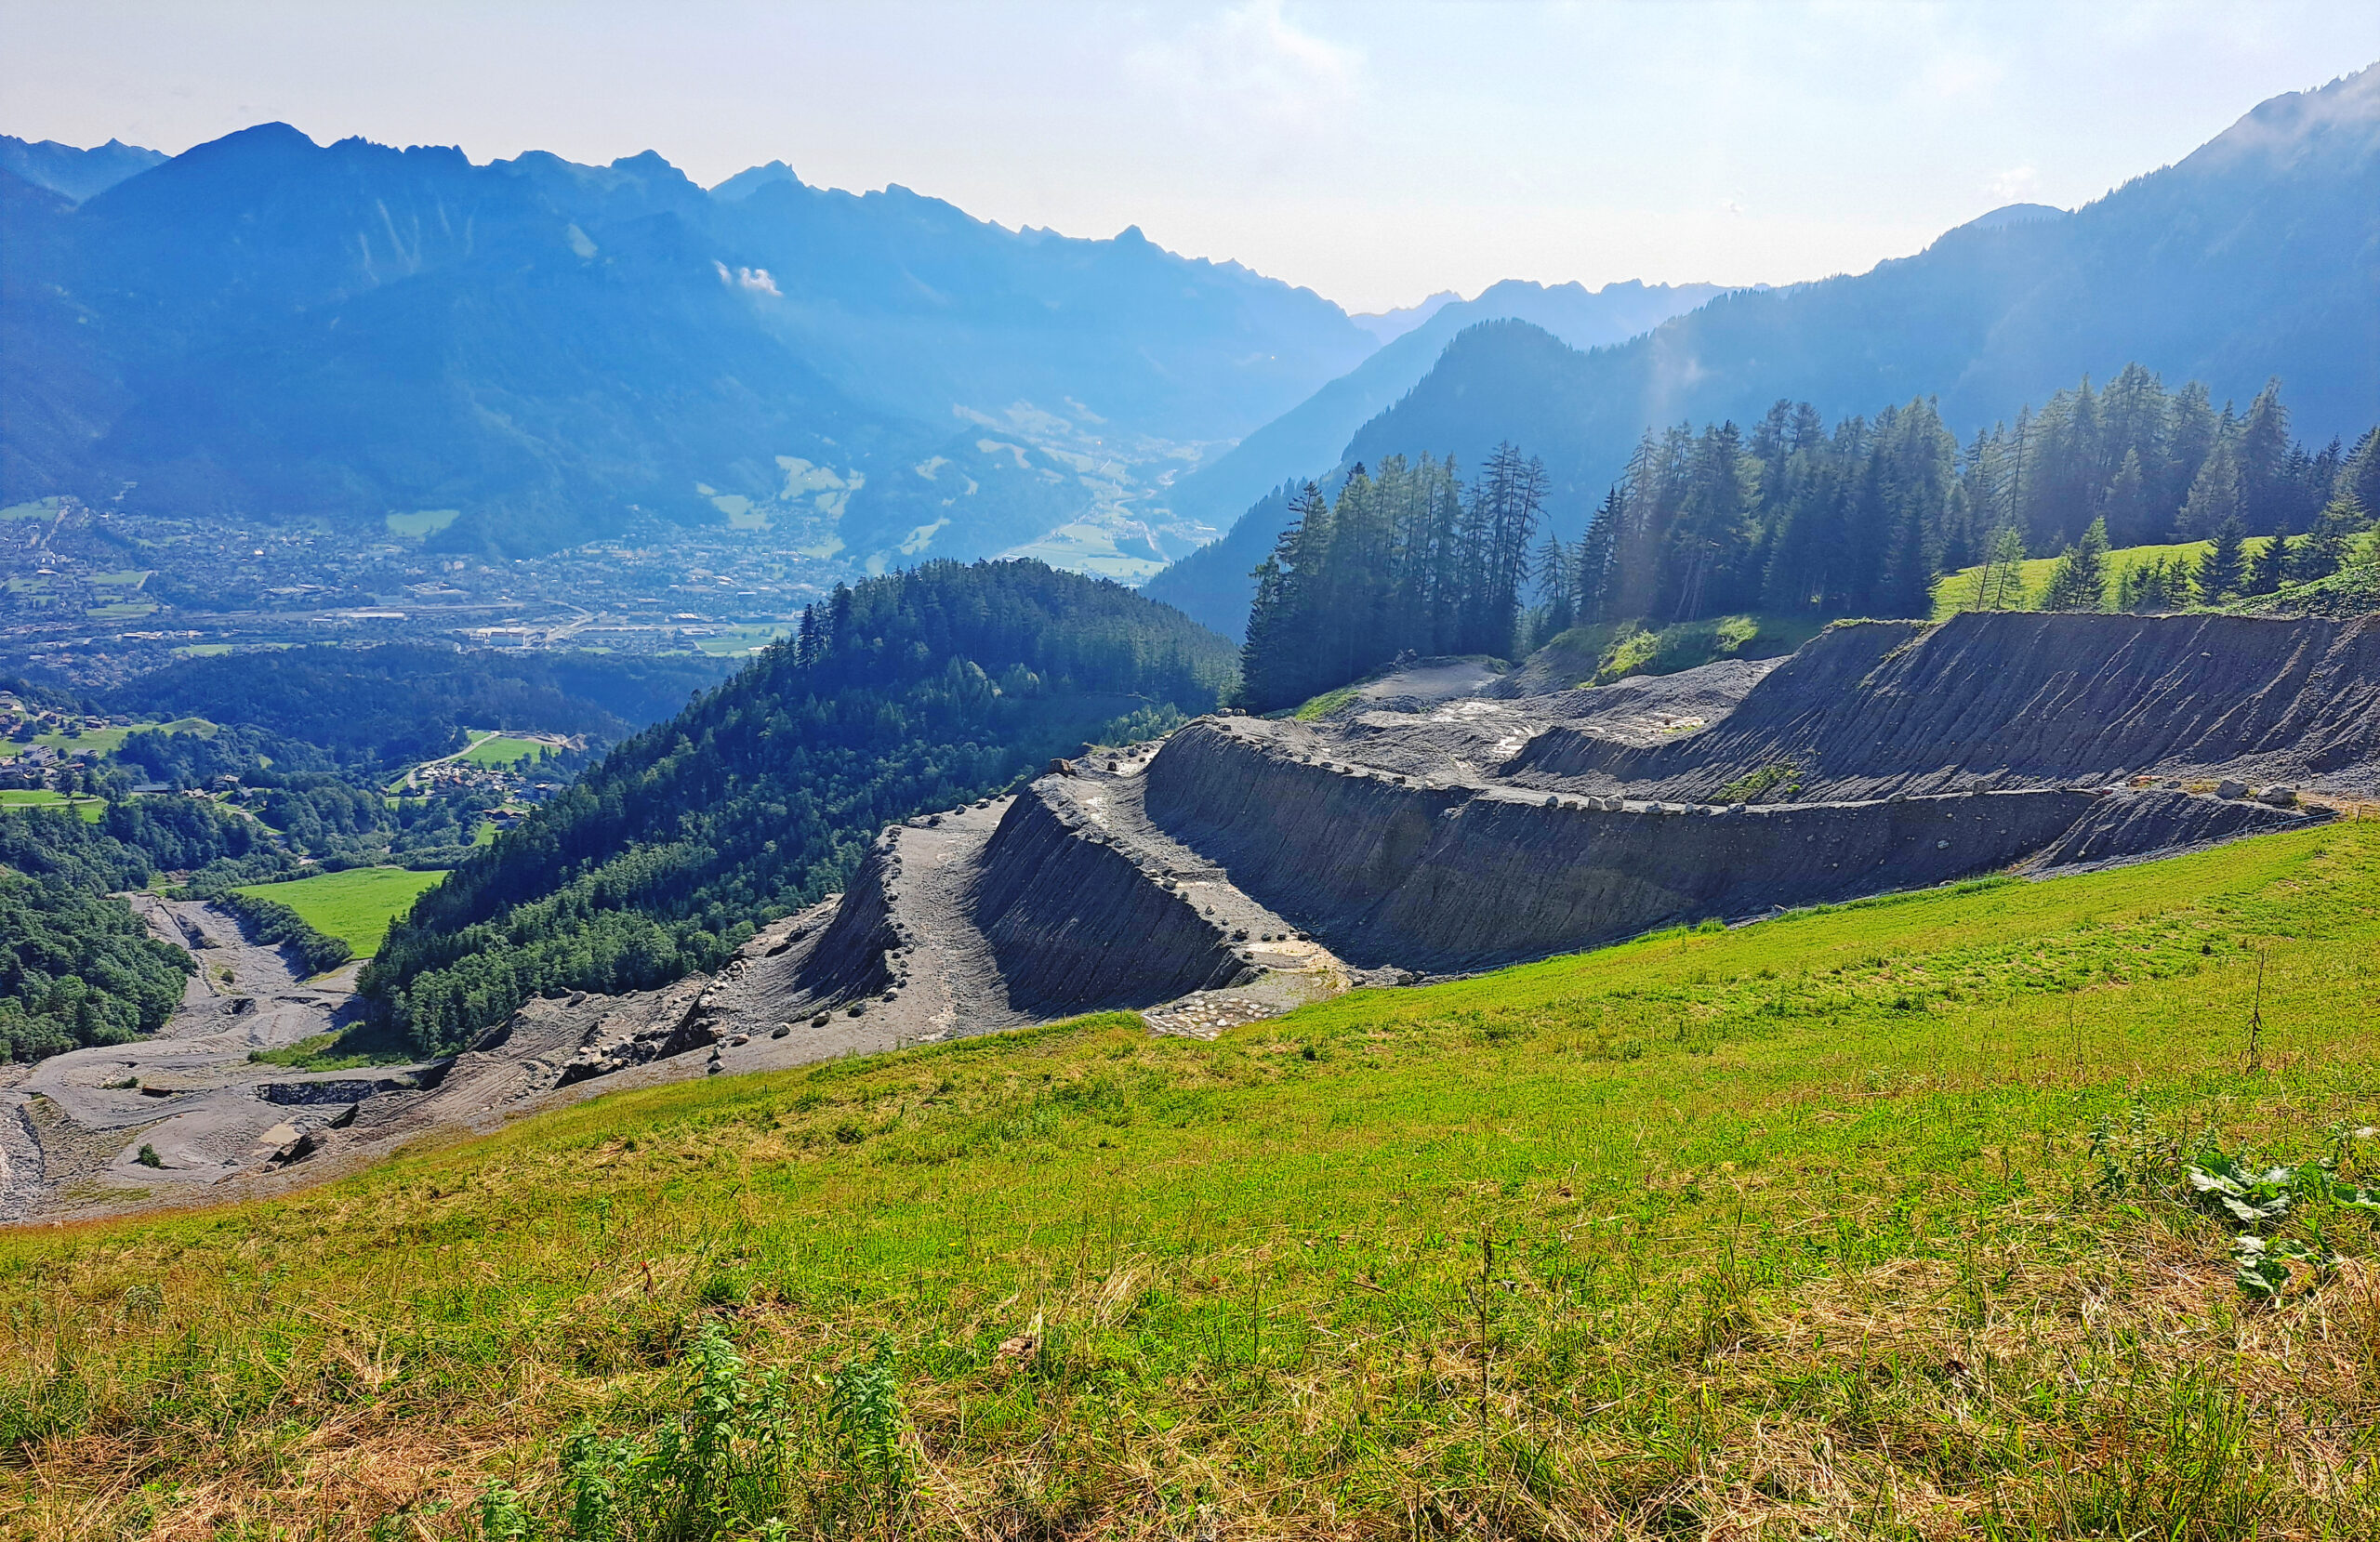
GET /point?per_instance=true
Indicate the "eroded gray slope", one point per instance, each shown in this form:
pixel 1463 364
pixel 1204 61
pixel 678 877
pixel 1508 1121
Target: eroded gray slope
pixel 2017 699
pixel 1392 870
pixel 1246 866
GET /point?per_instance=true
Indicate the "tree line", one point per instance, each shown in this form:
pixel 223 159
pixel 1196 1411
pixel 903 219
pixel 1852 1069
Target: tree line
pixel 1796 516
pixel 1405 558
pixel 1860 520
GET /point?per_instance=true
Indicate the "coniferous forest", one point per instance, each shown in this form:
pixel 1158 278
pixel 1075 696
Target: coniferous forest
pixel 77 968
pixel 917 691
pixel 1404 560
pixel 1795 517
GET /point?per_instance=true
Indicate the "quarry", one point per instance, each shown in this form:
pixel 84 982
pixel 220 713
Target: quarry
pixel 1450 818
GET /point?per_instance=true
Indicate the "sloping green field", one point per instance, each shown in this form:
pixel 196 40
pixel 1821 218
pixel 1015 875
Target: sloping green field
pixel 1962 590
pixel 44 798
pixel 500 750
pixel 356 904
pixel 1873 1221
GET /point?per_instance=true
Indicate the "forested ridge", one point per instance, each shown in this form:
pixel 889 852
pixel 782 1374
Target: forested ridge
pixel 77 967
pixel 1794 518
pixel 1861 519
pixel 396 703
pixel 912 692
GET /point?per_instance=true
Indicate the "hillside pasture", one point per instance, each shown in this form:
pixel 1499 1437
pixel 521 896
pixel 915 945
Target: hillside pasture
pixel 1872 1220
pixel 356 904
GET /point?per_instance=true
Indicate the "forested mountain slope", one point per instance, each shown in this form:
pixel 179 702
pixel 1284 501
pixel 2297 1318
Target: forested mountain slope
pixel 76 966
pixel 909 692
pixel 2254 258
pixel 266 324
pixel 2251 258
pixel 403 701
pixel 1212 584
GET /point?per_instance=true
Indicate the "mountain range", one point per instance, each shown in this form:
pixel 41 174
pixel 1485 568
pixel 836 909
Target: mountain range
pixel 272 326
pixel 2258 256
pixel 537 352
pixel 70 171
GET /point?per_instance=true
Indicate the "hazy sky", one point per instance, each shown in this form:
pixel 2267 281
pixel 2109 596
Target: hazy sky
pixel 1374 151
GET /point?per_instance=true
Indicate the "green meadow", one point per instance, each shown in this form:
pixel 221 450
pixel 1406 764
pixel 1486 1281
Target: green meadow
pixel 42 798
pixel 1963 590
pixel 499 750
pixel 356 904
pixel 1873 1220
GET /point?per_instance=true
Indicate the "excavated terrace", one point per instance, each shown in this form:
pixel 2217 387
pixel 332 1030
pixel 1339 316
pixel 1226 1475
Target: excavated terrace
pixel 1450 819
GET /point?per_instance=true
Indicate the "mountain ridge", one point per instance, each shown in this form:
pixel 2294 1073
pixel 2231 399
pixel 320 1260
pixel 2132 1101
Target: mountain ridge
pixel 72 172
pixel 1212 584
pixel 2244 260
pixel 2274 279
pixel 569 347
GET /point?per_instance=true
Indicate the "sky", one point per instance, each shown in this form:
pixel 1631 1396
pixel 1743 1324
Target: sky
pixel 1374 152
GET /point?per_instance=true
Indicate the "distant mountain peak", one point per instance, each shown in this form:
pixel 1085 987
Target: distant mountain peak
pixel 2289 127
pixel 751 180
pixel 1389 325
pixel 72 172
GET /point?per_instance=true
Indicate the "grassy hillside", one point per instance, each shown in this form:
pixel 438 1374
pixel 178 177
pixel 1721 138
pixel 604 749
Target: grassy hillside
pixel 355 906
pixel 89 809
pixel 500 749
pixel 1601 653
pixel 1955 592
pixel 1867 1221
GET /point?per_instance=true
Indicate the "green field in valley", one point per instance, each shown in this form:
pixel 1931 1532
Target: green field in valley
pixel 103 740
pixel 356 904
pixel 500 750
pixel 1876 1221
pixel 42 797
pixel 740 642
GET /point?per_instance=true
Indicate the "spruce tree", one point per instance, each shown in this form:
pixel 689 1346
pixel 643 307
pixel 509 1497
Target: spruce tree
pixel 2214 495
pixel 2264 456
pixel 2360 474
pixel 2221 573
pixel 1558 587
pixel 1594 561
pixel 2126 503
pixel 2267 567
pixel 1277 663
pixel 2080 580
pixel 2001 585
pixel 2190 437
pixel 2324 550
pixel 2153 587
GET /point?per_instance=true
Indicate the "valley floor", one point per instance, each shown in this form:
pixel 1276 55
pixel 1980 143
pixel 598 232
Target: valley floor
pixel 1872 1220
pixel 73 1126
